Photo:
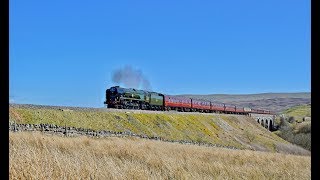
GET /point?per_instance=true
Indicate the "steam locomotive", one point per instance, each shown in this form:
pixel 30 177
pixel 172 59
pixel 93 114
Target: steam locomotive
pixel 130 98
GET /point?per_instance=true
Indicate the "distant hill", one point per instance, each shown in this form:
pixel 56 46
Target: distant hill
pixel 276 102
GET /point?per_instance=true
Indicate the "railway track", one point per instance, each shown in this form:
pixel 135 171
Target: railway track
pixel 105 109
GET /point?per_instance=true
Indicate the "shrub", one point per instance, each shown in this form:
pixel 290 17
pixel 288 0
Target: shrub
pixel 291 119
pixel 283 122
pixel 303 140
pixel 304 128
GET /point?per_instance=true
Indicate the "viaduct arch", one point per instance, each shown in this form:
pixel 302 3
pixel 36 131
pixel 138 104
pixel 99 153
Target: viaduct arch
pixel 265 120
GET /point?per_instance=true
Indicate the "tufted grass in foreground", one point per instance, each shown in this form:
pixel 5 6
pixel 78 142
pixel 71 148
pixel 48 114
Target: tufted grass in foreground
pixel 39 156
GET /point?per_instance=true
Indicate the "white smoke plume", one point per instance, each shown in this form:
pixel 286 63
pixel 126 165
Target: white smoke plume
pixel 131 78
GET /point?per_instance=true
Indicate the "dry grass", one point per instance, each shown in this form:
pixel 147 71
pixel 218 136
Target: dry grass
pixel 39 156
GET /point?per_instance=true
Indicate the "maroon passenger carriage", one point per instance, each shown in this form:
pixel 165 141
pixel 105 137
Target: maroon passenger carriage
pixel 177 103
pixel 230 108
pixel 260 111
pixel 240 110
pixel 200 106
pixel 217 107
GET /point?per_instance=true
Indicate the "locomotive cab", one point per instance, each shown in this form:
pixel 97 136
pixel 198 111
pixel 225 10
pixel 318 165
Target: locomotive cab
pixel 111 96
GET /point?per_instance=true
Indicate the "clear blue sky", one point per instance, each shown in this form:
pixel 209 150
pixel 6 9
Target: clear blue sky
pixel 64 52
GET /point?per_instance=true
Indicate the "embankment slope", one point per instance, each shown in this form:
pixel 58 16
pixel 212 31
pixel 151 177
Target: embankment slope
pixel 233 131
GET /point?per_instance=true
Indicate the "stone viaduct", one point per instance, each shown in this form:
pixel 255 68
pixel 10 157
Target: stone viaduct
pixel 265 120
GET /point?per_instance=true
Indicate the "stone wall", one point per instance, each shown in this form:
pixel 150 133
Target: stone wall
pixel 73 131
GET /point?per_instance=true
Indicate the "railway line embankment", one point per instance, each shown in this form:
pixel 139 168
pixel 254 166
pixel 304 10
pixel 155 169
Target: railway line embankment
pixel 217 130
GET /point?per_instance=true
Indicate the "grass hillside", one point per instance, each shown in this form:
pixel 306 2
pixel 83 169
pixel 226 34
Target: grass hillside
pixel 39 156
pixel 226 130
pixel 295 125
pixel 298 112
pixel 276 102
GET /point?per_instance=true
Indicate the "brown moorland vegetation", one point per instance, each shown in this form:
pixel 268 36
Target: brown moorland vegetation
pixel 40 156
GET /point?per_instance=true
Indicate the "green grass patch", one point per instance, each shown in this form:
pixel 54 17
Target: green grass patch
pixel 298 112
